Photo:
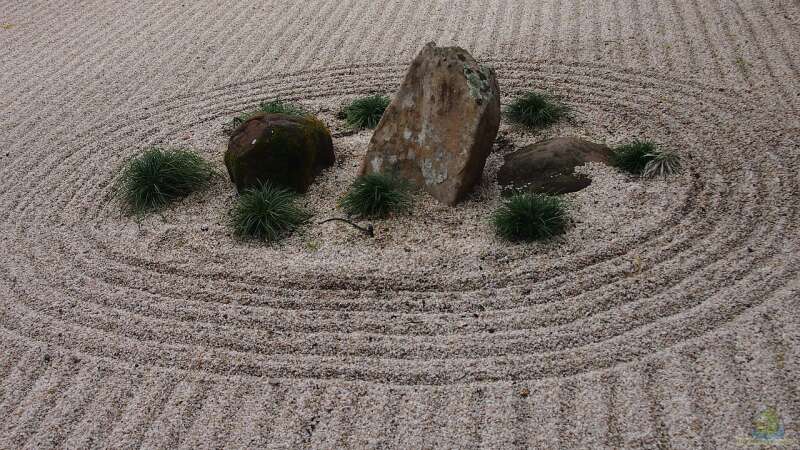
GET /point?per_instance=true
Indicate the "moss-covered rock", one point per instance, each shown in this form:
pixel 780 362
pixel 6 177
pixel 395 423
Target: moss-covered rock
pixel 284 150
pixel 439 129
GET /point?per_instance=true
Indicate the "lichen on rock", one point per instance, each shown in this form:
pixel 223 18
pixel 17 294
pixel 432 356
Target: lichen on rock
pixel 478 82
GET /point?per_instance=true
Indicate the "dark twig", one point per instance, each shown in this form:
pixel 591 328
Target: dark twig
pixel 369 230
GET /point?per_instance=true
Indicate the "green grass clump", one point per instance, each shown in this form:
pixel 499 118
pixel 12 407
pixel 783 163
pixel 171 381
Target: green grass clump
pixel 376 195
pixel 646 159
pixel 271 107
pixel 663 163
pixel 633 157
pixel 158 177
pixel 531 217
pixel 365 112
pixel 536 110
pixel 267 213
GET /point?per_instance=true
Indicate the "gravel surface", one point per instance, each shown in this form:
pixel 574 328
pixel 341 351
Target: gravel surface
pixel 667 316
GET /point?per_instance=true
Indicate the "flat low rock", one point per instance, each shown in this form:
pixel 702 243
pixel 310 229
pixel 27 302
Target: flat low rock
pixel 285 150
pixel 549 166
pixel 440 127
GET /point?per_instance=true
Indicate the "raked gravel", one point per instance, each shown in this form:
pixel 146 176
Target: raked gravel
pixel 666 317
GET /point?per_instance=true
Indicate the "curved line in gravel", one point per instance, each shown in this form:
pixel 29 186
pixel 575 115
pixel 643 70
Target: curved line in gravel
pixel 511 337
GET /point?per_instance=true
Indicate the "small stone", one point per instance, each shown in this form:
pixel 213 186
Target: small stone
pixel 524 392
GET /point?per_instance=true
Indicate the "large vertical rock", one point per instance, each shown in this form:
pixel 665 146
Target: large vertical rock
pixel 440 127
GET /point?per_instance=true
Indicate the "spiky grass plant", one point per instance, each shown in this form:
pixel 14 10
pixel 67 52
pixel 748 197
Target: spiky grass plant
pixel 663 163
pixel 531 217
pixel 536 110
pixel 158 177
pixel 272 107
pixel 634 157
pixel 267 213
pixel 365 112
pixel 376 195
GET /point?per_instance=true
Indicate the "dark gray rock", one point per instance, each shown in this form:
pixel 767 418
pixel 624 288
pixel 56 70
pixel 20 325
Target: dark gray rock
pixel 549 166
pixel 288 151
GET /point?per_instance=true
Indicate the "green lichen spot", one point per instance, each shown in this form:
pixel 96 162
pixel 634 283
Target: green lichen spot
pixel 478 83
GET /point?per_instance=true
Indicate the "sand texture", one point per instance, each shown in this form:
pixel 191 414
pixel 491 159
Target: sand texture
pixel 667 317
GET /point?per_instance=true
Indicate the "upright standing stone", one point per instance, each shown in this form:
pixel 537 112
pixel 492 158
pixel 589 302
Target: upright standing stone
pixel 440 127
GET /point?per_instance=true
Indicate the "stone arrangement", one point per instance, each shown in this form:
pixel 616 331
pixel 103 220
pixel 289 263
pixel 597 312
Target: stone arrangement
pixel 436 134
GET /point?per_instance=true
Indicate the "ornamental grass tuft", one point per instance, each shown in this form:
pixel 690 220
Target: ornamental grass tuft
pixel 376 195
pixel 365 112
pixel 536 110
pixel 267 213
pixel 158 177
pixel 663 163
pixel 633 157
pixel 531 217
pixel 646 159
